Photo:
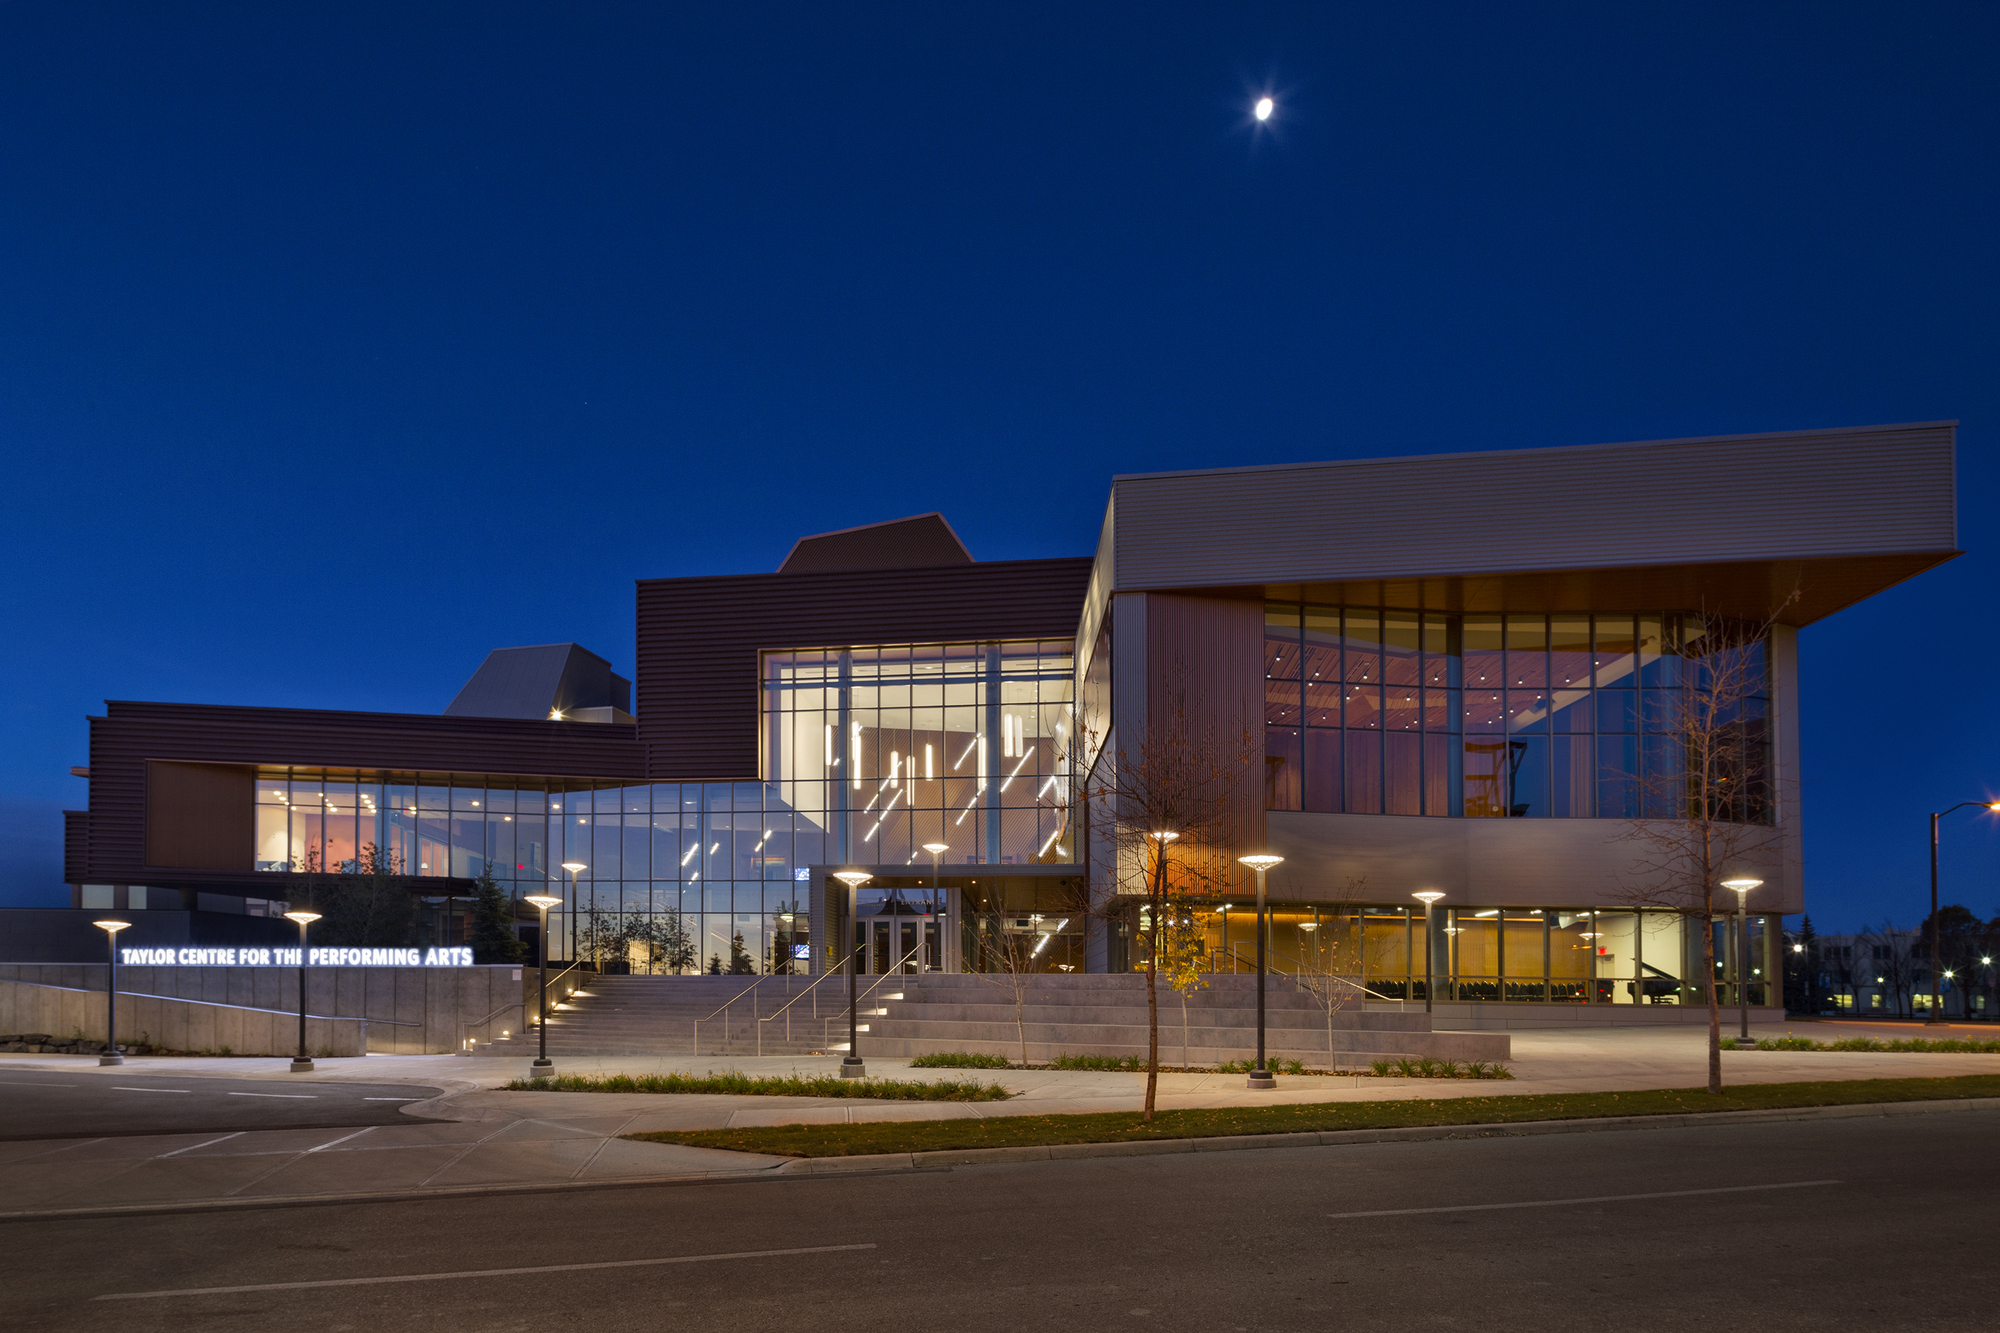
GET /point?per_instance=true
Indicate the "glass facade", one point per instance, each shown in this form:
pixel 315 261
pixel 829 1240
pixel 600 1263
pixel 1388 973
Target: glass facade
pixel 1496 953
pixel 729 858
pixel 881 750
pixel 1380 711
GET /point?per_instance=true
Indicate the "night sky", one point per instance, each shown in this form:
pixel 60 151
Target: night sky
pixel 342 343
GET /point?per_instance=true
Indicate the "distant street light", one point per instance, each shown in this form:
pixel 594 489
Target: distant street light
pixel 1936 953
pixel 542 1067
pixel 1428 897
pixel 112 1055
pixel 1260 1077
pixel 305 916
pixel 1742 887
pixel 852 1065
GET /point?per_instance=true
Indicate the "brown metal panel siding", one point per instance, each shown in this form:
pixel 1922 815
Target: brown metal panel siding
pixel 201 816
pixel 132 733
pixel 1744 498
pixel 76 845
pixel 1210 652
pixel 699 639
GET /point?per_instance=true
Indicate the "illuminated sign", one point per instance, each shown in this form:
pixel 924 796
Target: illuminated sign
pixel 255 957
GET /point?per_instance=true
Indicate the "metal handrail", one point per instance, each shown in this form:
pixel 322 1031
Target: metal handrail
pixel 1299 976
pixel 544 993
pixel 463 1028
pixel 723 1012
pixel 786 1007
pixel 895 971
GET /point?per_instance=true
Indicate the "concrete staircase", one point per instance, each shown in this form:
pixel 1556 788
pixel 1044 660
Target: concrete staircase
pixel 917 1015
pixel 1105 1014
pixel 640 1015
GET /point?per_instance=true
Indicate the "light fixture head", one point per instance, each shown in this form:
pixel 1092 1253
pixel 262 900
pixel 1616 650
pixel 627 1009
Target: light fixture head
pixel 1261 861
pixel 305 916
pixel 853 879
pixel 111 927
pixel 1427 896
pixel 574 866
pixel 542 900
pixel 936 848
pixel 1742 884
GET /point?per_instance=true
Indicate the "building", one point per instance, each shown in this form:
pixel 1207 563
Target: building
pixel 1459 671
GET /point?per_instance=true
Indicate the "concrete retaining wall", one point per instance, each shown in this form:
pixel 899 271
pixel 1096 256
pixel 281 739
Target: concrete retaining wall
pixel 411 1010
pixel 180 1025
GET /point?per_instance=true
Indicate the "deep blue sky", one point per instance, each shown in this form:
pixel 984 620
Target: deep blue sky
pixel 342 343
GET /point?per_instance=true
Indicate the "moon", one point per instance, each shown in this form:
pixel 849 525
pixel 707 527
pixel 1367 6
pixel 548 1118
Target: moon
pixel 1265 106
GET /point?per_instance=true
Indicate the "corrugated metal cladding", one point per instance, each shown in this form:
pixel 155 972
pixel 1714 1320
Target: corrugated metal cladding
pixel 1803 495
pixel 130 734
pixel 76 845
pixel 699 640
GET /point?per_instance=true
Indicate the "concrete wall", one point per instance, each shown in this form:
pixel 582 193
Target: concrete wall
pixel 179 1025
pixel 412 1010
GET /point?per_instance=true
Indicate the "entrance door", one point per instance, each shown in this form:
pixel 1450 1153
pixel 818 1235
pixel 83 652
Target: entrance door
pixel 897 944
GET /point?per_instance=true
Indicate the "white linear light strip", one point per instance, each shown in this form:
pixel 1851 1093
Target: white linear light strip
pixel 968 810
pixel 854 752
pixel 1017 771
pixel 970 746
pixel 1045 846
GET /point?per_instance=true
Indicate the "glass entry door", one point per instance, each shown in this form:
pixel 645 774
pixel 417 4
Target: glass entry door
pixel 897 944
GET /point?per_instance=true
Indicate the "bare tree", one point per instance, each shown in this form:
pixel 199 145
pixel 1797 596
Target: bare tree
pixel 1160 807
pixel 1330 965
pixel 1709 810
pixel 1891 954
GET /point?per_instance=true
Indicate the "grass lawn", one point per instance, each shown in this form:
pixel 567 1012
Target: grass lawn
pixel 1125 1126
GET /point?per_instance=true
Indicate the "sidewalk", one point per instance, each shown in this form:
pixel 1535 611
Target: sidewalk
pixel 537 1140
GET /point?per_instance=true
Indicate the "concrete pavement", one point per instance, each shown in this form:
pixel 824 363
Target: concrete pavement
pixel 494 1138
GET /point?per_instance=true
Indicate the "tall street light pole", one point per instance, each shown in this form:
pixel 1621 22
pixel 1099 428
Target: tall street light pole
pixel 852 1066
pixel 937 850
pixel 1936 952
pixel 542 1067
pixel 1742 887
pixel 572 867
pixel 1260 1077
pixel 1428 897
pixel 112 1055
pixel 305 916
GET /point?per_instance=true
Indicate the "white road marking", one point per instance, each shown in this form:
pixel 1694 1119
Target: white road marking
pixel 1598 1198
pixel 118 1088
pixel 192 1146
pixel 344 1138
pixel 35 1083
pixel 288 1096
pixel 482 1272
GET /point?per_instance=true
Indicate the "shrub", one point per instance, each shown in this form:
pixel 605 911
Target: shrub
pixel 772 1085
pixel 1404 1067
pixel 959 1060
pixel 1098 1062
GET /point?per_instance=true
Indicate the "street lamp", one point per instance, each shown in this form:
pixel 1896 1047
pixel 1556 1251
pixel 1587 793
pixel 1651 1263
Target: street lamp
pixel 573 867
pixel 851 1066
pixel 1260 1077
pixel 542 1067
pixel 1742 886
pixel 1428 897
pixel 1936 960
pixel 305 916
pixel 112 1055
pixel 936 849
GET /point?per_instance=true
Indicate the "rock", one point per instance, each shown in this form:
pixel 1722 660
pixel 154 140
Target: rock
pixel 35 1038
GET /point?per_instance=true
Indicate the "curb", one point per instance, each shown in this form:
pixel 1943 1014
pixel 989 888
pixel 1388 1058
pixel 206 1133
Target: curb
pixel 945 1159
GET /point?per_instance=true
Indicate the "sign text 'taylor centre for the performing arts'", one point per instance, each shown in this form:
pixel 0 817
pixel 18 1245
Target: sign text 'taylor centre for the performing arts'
pixel 198 957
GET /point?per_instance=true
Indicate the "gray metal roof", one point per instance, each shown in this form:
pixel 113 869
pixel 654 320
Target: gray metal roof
pixel 537 681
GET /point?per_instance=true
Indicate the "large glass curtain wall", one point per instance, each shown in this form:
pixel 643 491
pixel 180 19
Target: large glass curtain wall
pixel 729 859
pixel 881 750
pixel 1493 954
pixel 1372 711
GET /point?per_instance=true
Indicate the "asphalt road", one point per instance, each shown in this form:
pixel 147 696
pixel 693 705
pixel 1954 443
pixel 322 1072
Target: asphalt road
pixel 1878 1224
pixel 59 1105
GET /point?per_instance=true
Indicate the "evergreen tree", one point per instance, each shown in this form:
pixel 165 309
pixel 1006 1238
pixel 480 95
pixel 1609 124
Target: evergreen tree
pixel 715 965
pixel 741 964
pixel 492 927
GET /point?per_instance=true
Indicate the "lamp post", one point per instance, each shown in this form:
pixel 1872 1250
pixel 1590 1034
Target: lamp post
pixel 572 867
pixel 937 850
pixel 1428 897
pixel 852 1066
pixel 112 1055
pixel 305 916
pixel 542 1067
pixel 1742 887
pixel 1936 960
pixel 1260 1077
pixel 1805 978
